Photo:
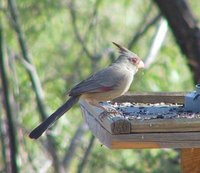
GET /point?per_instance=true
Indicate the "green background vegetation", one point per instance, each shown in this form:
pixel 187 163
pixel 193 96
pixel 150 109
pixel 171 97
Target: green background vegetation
pixel 61 63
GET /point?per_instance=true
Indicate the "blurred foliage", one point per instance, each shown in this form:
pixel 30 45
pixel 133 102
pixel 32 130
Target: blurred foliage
pixel 61 63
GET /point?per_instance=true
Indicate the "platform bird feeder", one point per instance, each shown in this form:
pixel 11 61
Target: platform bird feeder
pixel 150 120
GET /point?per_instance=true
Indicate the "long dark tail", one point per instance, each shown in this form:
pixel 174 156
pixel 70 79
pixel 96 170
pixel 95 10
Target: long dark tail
pixel 37 132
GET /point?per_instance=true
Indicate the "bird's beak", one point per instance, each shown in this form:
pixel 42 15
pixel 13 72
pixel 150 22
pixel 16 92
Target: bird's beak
pixel 141 64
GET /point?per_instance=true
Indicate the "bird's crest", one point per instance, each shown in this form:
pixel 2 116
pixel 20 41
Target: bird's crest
pixel 123 50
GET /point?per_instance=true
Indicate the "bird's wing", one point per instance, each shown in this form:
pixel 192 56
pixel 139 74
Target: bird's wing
pixel 102 81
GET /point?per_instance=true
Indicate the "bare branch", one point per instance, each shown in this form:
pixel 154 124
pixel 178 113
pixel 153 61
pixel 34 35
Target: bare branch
pixel 71 7
pixel 143 29
pixel 27 58
pixel 33 77
pixel 185 29
pixel 76 140
pixel 8 109
pixel 157 42
pixel 85 38
pixel 3 142
pixel 86 155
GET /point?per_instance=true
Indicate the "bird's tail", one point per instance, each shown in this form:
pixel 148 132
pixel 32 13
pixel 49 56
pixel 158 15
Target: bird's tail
pixel 37 132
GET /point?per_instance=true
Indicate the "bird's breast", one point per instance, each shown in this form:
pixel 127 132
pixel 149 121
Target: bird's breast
pixel 125 83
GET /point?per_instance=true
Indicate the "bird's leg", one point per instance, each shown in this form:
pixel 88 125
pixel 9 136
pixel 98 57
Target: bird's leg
pixel 96 104
pixel 111 110
pixel 106 111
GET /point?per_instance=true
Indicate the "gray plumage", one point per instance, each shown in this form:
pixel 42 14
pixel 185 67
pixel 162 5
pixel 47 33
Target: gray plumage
pixel 104 85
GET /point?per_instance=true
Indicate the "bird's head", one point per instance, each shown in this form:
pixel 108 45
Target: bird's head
pixel 128 56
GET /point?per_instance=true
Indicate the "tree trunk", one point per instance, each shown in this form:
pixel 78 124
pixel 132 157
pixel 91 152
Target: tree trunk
pixel 185 29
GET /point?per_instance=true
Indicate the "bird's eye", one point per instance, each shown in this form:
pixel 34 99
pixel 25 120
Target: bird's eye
pixel 133 60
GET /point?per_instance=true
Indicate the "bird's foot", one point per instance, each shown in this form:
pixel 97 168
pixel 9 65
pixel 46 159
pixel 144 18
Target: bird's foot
pixel 114 111
pixel 108 112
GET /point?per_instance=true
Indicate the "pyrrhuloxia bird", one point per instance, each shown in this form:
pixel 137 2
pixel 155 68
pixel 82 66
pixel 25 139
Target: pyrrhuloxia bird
pixel 107 84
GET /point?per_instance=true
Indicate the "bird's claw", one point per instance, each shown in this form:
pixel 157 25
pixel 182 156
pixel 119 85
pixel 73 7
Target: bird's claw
pixel 109 112
pixel 114 111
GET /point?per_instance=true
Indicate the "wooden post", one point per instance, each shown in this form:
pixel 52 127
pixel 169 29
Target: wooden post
pixel 190 160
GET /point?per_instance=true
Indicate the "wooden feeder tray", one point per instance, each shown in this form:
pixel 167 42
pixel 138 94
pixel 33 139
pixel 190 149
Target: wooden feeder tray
pixel 155 120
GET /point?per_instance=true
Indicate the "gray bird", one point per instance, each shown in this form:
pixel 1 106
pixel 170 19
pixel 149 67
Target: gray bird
pixel 104 85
